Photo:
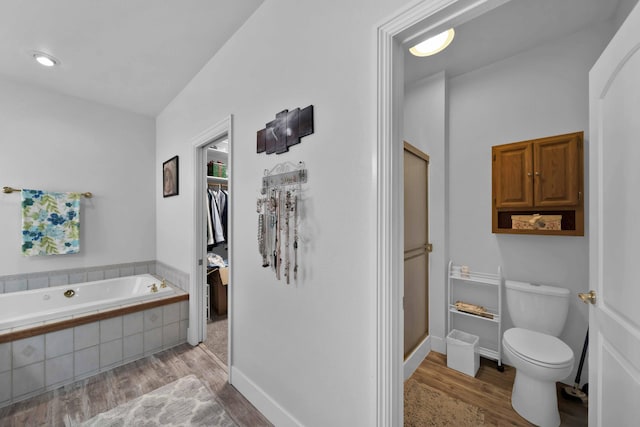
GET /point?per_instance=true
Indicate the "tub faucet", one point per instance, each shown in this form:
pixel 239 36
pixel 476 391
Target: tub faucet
pixel 153 287
pixel 163 284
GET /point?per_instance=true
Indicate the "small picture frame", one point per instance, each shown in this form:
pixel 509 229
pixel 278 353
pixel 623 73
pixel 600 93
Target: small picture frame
pixel 170 177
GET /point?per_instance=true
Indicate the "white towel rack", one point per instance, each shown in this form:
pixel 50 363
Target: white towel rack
pixel 464 282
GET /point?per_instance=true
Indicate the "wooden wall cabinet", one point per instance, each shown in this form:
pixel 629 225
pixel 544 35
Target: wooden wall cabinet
pixel 541 176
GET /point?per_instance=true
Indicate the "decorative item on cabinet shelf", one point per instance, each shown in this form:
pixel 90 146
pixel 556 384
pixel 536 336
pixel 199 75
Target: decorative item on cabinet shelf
pixel 217 169
pixel 536 222
pixel 473 309
pixel 464 271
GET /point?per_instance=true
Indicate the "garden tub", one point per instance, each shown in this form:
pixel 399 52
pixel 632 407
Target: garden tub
pixel 32 312
pixel 55 336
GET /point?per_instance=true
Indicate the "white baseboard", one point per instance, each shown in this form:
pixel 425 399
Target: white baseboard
pixel 439 345
pixel 275 413
pixel 416 357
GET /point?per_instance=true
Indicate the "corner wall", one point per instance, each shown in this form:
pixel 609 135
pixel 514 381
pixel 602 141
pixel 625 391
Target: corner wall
pixel 60 143
pixel 425 127
pixel 306 353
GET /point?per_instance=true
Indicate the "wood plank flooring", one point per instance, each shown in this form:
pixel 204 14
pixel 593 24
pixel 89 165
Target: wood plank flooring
pixel 217 340
pixel 490 390
pixel 87 398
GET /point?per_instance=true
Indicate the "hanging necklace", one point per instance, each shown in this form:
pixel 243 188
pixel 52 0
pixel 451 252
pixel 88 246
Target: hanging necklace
pixel 295 238
pixel 287 209
pixel 278 231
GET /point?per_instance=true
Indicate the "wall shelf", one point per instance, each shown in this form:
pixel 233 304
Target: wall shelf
pixel 217 179
pixel 471 287
pixel 496 317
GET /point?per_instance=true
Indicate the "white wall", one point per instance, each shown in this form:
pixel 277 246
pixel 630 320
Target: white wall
pixel 537 93
pixel 311 347
pixel 60 143
pixel 425 127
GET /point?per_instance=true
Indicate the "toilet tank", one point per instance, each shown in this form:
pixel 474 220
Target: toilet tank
pixel 537 307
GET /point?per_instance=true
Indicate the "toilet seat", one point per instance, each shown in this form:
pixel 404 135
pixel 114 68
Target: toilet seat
pixel 538 348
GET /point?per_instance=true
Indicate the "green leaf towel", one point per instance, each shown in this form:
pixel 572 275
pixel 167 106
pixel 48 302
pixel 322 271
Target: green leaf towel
pixel 50 223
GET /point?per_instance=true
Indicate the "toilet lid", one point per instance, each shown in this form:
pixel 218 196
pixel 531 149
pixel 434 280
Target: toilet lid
pixel 538 347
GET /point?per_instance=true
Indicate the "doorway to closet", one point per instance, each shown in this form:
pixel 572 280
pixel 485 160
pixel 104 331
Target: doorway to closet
pixel 211 295
pixel 217 209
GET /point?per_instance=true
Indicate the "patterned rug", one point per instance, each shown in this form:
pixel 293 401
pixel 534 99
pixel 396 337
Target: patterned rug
pixel 185 402
pixel 425 406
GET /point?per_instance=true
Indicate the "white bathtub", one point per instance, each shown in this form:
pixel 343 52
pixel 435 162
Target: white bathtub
pixel 47 305
pixel 57 340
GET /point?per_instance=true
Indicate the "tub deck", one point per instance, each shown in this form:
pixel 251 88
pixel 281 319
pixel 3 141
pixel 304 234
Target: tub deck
pixel 53 326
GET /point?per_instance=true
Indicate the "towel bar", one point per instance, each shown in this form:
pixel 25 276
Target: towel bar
pixel 9 190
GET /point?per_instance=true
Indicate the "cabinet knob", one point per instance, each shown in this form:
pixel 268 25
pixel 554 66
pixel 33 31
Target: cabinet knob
pixel 537 173
pixel 528 173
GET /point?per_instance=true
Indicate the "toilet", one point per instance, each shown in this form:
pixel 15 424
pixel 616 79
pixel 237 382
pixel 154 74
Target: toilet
pixel 533 349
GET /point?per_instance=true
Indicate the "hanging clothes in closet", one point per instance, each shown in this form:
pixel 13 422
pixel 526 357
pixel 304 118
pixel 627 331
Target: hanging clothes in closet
pixel 217 215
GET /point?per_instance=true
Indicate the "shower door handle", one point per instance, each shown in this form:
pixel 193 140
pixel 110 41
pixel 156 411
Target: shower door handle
pixel 588 298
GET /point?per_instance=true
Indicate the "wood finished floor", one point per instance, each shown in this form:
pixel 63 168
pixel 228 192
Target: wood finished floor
pixel 217 340
pixel 490 390
pixel 87 398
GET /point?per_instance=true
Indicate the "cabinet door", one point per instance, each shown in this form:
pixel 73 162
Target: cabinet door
pixel 556 173
pixel 512 175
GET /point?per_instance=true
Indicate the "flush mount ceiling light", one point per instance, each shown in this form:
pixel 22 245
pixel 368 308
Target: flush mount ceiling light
pixel 434 44
pixel 45 59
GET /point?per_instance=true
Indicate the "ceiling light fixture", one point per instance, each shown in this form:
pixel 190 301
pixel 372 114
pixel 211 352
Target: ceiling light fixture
pixel 434 44
pixel 45 60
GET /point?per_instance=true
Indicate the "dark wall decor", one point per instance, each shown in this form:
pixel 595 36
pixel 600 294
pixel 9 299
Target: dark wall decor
pixel 170 177
pixel 285 131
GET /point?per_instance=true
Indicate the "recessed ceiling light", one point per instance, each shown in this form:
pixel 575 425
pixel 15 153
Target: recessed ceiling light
pixel 45 60
pixel 434 44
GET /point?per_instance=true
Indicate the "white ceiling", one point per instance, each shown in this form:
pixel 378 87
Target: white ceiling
pixel 514 27
pixel 132 54
pixel 138 54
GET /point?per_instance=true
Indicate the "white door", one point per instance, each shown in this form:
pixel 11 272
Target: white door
pixel 614 232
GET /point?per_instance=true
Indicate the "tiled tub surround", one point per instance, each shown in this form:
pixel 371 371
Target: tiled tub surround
pixel 46 305
pixel 23 282
pixel 45 356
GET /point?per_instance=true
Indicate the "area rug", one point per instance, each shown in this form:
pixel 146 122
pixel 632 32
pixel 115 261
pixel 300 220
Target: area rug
pixel 185 402
pixel 426 406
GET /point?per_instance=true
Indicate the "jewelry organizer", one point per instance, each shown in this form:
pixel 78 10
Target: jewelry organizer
pixel 278 218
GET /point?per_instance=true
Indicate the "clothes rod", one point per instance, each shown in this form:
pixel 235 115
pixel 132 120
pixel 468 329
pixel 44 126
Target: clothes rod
pixel 10 190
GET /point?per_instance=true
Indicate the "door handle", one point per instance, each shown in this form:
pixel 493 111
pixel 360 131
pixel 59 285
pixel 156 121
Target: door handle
pixel 588 298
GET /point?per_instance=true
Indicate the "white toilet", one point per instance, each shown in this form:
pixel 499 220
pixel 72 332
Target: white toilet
pixel 532 347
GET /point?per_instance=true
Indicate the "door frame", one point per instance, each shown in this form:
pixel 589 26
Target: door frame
pixel 197 304
pixel 410 25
